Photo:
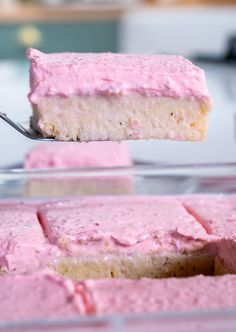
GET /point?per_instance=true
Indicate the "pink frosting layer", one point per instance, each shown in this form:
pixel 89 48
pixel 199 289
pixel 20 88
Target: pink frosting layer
pixel 93 154
pixel 46 295
pixel 23 246
pixel 68 74
pixel 171 294
pixel 128 225
pixel 217 214
pixel 38 295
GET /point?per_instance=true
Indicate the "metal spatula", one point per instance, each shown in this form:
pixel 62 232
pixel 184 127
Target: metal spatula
pixel 25 129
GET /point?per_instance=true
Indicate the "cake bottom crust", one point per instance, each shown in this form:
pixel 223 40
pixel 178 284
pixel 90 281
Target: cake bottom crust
pixel 94 118
pixel 147 266
pixel 220 268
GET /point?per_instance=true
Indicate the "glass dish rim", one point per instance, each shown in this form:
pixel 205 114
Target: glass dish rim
pixel 121 319
pixel 145 169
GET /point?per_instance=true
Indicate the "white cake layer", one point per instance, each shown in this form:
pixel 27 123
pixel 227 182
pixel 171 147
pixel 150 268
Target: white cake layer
pixel 116 118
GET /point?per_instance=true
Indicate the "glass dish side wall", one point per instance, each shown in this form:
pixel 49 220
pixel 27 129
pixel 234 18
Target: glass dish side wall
pixel 140 180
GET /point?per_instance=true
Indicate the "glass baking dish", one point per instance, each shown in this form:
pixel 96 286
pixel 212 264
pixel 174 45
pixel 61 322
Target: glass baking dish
pixel 145 179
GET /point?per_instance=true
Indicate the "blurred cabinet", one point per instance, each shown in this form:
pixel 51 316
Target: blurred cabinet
pixel 101 36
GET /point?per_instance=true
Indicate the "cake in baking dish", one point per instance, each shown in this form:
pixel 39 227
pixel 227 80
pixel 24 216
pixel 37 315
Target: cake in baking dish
pixel 39 295
pixel 169 294
pixel 23 246
pixel 46 295
pixel 105 96
pixel 127 237
pixel 82 155
pixel 217 214
pixel 120 237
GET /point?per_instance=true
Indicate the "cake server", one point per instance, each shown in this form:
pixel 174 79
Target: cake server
pixel 25 129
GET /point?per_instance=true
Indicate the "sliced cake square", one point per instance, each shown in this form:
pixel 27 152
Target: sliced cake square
pixel 105 96
pixel 128 237
pixel 217 214
pixel 163 295
pixel 23 246
pixel 39 295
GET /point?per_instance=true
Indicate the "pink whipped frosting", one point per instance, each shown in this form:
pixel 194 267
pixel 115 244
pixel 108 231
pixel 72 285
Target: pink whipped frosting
pixel 217 214
pixel 42 295
pixel 38 295
pixel 23 246
pixel 86 74
pixel 128 225
pixel 170 294
pixel 93 154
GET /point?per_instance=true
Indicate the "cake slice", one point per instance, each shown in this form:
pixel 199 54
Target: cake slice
pixel 217 214
pixel 83 155
pixel 23 246
pixel 45 295
pixel 105 96
pixel 124 236
pixel 170 295
pixel 39 295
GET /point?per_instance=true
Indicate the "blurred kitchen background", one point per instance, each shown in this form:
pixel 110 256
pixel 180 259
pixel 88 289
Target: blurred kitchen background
pixel 204 31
